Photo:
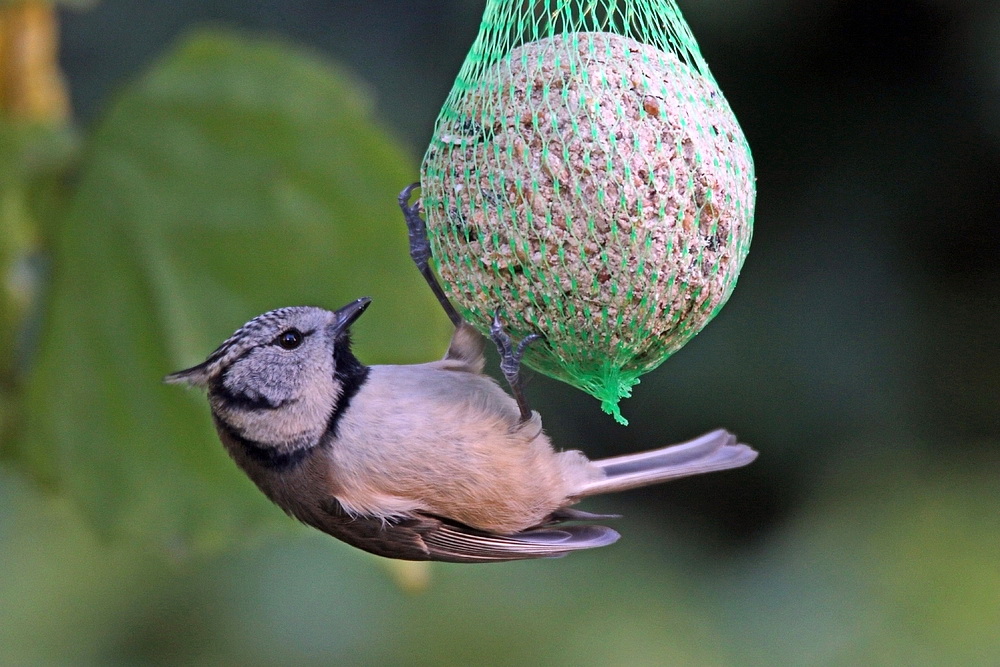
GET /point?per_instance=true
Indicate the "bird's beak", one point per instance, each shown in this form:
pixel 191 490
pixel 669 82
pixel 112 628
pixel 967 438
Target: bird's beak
pixel 345 316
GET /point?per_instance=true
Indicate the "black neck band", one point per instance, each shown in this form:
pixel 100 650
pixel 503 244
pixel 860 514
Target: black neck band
pixel 351 374
pixel 267 456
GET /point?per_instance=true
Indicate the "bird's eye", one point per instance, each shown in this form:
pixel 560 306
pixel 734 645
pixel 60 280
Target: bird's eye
pixel 290 339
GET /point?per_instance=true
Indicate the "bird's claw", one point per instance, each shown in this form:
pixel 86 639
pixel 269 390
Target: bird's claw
pixel 510 361
pixel 420 249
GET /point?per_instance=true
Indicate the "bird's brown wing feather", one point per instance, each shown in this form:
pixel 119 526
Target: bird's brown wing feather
pixel 426 537
pixel 466 348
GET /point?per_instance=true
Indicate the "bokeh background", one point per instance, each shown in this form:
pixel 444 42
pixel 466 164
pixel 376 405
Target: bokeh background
pixel 224 157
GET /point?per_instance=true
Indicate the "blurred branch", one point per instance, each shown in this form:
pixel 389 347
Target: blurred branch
pixel 410 576
pixel 31 85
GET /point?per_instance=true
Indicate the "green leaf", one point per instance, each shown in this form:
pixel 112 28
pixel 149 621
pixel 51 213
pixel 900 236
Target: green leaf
pixel 238 176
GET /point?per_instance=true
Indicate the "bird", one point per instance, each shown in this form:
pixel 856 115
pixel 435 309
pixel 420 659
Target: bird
pixel 431 461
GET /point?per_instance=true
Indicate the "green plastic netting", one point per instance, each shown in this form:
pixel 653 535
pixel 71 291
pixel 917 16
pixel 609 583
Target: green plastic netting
pixel 587 179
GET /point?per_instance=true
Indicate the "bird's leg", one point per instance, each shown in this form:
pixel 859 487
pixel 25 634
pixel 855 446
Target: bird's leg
pixel 510 362
pixel 420 250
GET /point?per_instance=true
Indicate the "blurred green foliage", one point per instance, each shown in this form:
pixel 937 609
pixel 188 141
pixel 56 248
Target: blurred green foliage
pixel 32 158
pixel 239 174
pixel 905 574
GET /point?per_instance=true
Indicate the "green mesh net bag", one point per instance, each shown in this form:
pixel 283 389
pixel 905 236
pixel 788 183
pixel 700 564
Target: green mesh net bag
pixel 587 179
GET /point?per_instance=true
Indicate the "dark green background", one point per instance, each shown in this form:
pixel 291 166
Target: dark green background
pixel 858 353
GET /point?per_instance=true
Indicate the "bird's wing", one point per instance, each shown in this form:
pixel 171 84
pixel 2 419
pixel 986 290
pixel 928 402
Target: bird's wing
pixel 453 542
pixel 425 537
pixel 466 349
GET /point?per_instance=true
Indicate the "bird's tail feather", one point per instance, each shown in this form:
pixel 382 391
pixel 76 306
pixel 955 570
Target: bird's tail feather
pixel 713 451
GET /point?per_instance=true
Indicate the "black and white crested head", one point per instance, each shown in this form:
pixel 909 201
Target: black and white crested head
pixel 277 385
